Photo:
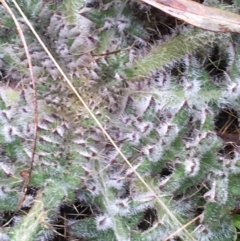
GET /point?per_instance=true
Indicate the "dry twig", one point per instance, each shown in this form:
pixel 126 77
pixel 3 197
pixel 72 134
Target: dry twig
pixel 26 175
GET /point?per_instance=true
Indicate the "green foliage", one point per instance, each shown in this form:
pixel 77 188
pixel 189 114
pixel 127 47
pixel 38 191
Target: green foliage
pixel 236 220
pixel 157 99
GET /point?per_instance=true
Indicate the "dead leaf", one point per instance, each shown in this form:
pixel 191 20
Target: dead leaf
pixel 25 177
pixel 199 15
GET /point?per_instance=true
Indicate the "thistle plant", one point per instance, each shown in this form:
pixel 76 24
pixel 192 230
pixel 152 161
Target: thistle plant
pixel 156 97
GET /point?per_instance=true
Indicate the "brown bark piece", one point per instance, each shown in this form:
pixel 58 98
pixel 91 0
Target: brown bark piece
pixel 199 15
